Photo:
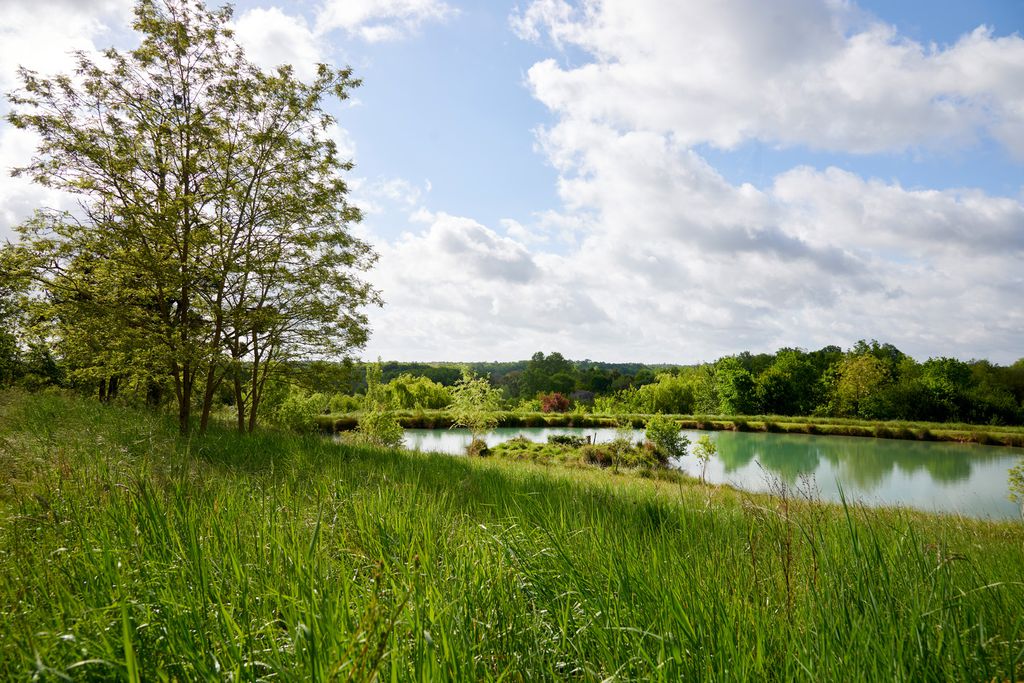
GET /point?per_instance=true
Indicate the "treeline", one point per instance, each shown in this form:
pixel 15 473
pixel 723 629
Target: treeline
pixel 870 380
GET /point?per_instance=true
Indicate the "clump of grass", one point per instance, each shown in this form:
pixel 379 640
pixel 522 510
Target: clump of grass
pixel 128 552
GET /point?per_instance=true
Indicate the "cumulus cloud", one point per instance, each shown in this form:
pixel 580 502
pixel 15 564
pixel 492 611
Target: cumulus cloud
pixel 669 261
pixel 380 20
pixel 273 38
pixel 41 36
pixel 455 288
pixel 798 72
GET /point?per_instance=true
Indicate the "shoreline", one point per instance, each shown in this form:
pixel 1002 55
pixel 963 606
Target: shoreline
pixel 1011 437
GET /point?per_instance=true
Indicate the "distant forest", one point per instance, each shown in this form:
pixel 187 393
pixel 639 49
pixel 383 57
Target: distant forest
pixel 871 380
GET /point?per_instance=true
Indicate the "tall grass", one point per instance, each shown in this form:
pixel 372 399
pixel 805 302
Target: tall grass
pixel 128 553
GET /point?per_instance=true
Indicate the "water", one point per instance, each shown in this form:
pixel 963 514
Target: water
pixel 968 479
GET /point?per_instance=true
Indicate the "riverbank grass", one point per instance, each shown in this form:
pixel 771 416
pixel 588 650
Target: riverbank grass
pixel 128 553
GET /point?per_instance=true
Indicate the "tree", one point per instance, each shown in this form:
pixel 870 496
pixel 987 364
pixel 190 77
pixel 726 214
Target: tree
pixel 663 432
pixel 860 378
pixel 474 404
pixel 704 450
pixel 735 384
pixel 212 206
pixel 786 386
pixel 554 402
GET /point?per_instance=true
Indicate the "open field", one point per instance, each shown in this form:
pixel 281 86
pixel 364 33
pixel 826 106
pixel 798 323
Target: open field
pixel 992 435
pixel 129 553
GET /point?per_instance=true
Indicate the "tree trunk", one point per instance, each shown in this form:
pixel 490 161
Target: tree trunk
pixel 103 391
pixel 112 388
pixel 185 400
pixel 239 402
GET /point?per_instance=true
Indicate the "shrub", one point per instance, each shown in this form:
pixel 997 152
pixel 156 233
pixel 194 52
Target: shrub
pixel 704 450
pixel 568 440
pixel 379 428
pixel 478 448
pixel 664 434
pixel 601 455
pixel 344 403
pixel 298 411
pixel 1017 485
pixel 554 403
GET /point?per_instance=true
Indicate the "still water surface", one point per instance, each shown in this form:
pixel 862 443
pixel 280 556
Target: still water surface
pixel 969 479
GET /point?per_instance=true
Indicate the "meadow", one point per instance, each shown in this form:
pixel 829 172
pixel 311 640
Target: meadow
pixel 131 553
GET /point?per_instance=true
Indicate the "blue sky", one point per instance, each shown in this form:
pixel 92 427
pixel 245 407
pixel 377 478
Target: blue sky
pixel 653 180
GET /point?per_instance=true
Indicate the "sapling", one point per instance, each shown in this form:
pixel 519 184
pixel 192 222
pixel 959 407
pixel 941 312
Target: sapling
pixel 704 450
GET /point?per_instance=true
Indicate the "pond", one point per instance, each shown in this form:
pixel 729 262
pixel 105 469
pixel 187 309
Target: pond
pixel 968 479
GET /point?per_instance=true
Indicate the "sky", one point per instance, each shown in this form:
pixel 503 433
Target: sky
pixel 662 181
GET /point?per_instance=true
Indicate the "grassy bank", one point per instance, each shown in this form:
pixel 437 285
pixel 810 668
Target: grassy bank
pixel 915 431
pixel 128 553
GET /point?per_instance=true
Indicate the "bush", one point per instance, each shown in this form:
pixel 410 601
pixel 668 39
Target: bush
pixel 298 411
pixel 668 442
pixel 1017 485
pixel 569 440
pixel 600 455
pixel 554 403
pixel 344 403
pixel 379 428
pixel 478 447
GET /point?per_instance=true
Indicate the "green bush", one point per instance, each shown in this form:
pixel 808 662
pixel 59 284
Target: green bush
pixel 379 428
pixel 663 432
pixel 299 410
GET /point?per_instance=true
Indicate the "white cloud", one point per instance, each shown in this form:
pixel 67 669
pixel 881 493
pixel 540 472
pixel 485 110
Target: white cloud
pixel 380 20
pixel 799 72
pixel 272 38
pixel 41 36
pixel 669 261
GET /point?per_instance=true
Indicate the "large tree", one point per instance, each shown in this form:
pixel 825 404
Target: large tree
pixel 213 230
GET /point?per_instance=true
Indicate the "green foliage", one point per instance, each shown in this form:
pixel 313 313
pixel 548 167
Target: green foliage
pixel 704 450
pixel 408 391
pixel 663 432
pixel 1017 485
pixel 345 403
pixel 669 393
pixel 379 428
pixel 858 381
pixel 568 440
pixel 735 388
pixel 378 425
pixel 216 243
pixel 475 404
pixel 299 410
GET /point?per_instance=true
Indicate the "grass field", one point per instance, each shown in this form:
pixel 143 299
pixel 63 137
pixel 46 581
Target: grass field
pixel 127 553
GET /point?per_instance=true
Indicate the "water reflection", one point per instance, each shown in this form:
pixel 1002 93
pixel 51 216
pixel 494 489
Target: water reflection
pixel 864 462
pixel 965 478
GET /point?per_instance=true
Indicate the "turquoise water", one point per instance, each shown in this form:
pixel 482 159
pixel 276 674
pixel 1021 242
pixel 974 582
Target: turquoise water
pixel 967 479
